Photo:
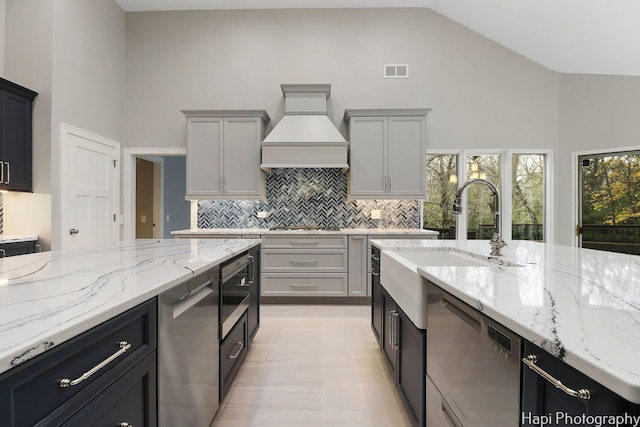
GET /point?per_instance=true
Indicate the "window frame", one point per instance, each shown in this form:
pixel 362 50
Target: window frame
pixel 506 187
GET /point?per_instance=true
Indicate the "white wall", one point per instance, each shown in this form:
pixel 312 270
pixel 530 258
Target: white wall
pixel 596 113
pixel 72 53
pixel 482 94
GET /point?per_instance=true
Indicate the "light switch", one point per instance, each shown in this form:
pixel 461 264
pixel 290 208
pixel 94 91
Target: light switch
pixel 262 214
pixel 375 213
pixel 143 219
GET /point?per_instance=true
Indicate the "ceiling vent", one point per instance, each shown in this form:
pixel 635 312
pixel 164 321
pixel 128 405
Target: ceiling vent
pixel 305 137
pixel 396 71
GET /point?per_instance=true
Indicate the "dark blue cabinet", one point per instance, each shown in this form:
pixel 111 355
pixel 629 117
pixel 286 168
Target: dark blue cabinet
pixel 49 390
pixel 543 402
pixel 16 104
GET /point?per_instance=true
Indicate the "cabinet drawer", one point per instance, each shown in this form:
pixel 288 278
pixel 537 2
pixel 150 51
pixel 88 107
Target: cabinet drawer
pixel 330 284
pixel 131 399
pixel 305 241
pixel 31 394
pixel 233 350
pixel 280 260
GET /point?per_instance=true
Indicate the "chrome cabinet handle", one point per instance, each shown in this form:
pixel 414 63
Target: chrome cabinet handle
pixel 375 258
pixel 124 346
pixel 1 172
pixel 124 424
pixel 531 361
pixel 374 273
pixel 8 172
pixel 389 183
pixel 251 269
pixel 3 253
pixel 303 261
pixel 303 242
pixel 303 285
pixel 73 231
pixel 393 316
pixel 240 344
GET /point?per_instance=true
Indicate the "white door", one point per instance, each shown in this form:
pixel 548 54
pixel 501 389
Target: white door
pixel 89 171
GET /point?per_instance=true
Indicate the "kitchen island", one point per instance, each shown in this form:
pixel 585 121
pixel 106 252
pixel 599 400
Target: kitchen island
pixel 49 297
pixel 581 306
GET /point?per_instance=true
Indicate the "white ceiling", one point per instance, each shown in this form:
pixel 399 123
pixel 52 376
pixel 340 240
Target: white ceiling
pixel 569 36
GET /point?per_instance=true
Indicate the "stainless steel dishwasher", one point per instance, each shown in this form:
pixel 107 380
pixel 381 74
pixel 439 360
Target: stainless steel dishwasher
pixel 473 366
pixel 188 352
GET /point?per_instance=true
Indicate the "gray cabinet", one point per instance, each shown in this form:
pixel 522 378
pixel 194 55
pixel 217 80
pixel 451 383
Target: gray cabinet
pixel 304 265
pixel 223 154
pixel 387 154
pixel 358 266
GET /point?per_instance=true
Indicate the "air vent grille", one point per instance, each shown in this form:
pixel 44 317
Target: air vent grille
pixel 396 71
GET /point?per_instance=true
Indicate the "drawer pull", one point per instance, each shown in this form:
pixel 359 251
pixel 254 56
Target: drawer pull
pixel 531 361
pixel 303 285
pixel 240 344
pixel 125 424
pixel 303 242
pixel 124 346
pixel 303 261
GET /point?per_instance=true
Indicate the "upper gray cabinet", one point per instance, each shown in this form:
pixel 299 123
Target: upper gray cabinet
pixel 223 154
pixel 387 153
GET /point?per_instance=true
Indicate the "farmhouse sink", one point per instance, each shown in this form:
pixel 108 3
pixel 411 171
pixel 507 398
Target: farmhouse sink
pixel 399 274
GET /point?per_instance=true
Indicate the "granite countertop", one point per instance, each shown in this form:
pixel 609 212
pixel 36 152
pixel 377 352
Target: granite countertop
pixel 261 231
pixel 15 238
pixel 581 305
pixel 49 297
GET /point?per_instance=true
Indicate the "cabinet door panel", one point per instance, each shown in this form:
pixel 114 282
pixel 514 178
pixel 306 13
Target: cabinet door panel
pixel 16 142
pixel 389 334
pixel 132 400
pixel 376 296
pixel 407 154
pixel 541 398
pixel 241 168
pixel 412 368
pixel 367 156
pixel 204 157
pixel 358 266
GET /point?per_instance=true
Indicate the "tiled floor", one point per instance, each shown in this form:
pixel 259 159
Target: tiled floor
pixel 313 365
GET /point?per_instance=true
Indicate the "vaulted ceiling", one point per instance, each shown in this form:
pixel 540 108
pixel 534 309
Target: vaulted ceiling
pixel 568 36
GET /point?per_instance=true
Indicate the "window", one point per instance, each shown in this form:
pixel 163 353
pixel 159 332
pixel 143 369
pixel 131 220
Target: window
pixel 523 195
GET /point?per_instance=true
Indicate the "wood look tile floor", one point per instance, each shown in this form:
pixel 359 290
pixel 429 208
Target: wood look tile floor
pixel 313 365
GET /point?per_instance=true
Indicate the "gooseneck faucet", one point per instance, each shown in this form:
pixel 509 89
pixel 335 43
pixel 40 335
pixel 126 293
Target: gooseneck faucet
pixel 496 241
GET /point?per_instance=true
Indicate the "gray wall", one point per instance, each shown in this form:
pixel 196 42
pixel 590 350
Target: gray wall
pixel 72 53
pixel 3 5
pixel 596 113
pixel 482 94
pixel 178 209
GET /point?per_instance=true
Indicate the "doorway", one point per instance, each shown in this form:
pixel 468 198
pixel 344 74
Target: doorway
pixel 169 209
pixel 148 198
pixel 609 201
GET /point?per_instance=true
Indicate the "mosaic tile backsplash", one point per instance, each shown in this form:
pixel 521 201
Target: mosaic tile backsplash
pixel 309 197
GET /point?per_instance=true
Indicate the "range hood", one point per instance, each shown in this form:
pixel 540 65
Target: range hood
pixel 305 137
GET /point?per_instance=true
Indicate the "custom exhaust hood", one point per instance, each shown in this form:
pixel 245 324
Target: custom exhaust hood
pixel 305 137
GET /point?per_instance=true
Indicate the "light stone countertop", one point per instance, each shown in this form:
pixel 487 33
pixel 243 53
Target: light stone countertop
pixel 47 298
pixel 15 238
pixel 581 305
pixel 260 231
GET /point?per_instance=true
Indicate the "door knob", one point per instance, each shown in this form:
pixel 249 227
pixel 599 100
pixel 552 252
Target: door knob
pixel 73 231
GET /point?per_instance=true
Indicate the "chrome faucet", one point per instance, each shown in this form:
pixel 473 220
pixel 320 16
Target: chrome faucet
pixel 496 241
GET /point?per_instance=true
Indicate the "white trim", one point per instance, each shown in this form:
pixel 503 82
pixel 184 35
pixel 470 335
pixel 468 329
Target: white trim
pixel 575 183
pixel 129 181
pixel 66 130
pixel 507 188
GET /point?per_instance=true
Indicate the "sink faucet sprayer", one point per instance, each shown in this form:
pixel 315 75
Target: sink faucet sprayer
pixel 496 241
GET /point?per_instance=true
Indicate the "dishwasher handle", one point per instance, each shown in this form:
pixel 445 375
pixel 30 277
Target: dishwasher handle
pixel 189 300
pixel 461 313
